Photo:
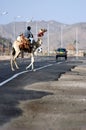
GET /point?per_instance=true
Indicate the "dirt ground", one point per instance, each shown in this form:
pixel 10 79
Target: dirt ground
pixel 63 109
pixel 4 57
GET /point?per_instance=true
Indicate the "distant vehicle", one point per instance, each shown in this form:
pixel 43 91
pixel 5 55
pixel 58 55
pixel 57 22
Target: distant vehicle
pixel 61 52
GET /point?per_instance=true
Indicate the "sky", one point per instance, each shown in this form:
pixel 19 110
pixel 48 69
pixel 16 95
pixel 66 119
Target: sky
pixel 63 11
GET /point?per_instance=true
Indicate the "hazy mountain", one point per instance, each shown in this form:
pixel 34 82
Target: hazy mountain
pixel 58 34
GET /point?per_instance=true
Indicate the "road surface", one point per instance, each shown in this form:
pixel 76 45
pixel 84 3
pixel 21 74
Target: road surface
pixel 50 98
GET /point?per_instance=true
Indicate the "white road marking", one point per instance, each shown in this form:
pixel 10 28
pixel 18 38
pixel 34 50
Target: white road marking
pixel 16 75
pixel 43 67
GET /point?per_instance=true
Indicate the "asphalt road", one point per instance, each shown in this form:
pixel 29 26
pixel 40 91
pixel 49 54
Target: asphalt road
pixel 13 92
pixel 6 74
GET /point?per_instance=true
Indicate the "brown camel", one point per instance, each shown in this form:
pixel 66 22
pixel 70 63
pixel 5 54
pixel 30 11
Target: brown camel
pixel 25 45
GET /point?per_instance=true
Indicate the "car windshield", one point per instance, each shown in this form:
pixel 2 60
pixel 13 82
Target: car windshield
pixel 61 49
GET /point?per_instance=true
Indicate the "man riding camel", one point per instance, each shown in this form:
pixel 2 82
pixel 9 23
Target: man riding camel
pixel 28 34
pixel 26 39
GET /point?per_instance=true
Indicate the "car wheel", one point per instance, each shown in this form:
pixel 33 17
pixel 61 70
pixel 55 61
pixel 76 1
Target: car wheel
pixel 65 57
pixel 56 58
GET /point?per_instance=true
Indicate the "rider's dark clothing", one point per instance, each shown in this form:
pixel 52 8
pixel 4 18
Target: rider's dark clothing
pixel 28 34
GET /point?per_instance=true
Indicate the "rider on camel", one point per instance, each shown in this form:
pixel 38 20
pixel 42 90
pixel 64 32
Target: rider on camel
pixel 28 34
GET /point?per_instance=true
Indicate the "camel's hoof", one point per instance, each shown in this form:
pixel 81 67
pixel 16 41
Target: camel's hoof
pixel 26 68
pixel 13 69
pixel 34 70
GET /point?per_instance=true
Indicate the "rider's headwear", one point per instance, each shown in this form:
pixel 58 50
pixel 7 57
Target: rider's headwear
pixel 28 28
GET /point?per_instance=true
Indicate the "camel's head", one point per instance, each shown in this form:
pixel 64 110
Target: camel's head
pixel 44 30
pixel 41 32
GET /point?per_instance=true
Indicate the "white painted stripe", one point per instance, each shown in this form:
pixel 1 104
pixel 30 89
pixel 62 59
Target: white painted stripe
pixel 16 75
pixel 43 67
pixel 58 62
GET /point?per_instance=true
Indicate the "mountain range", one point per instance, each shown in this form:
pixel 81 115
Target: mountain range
pixel 57 35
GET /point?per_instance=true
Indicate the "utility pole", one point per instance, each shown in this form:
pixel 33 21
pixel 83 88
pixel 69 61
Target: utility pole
pixel 77 43
pixel 48 39
pixel 61 36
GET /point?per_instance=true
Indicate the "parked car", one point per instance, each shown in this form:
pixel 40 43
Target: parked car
pixel 61 52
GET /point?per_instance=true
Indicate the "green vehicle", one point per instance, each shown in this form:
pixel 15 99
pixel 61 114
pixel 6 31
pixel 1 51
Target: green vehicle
pixel 61 52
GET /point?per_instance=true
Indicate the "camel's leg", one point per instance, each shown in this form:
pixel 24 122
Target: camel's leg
pixel 11 62
pixel 14 61
pixel 32 62
pixel 29 66
pixel 16 64
pixel 16 55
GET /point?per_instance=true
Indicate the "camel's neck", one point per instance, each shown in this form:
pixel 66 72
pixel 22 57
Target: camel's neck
pixel 39 41
pixel 36 44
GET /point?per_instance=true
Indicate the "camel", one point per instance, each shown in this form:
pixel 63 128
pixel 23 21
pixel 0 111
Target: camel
pixel 25 45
